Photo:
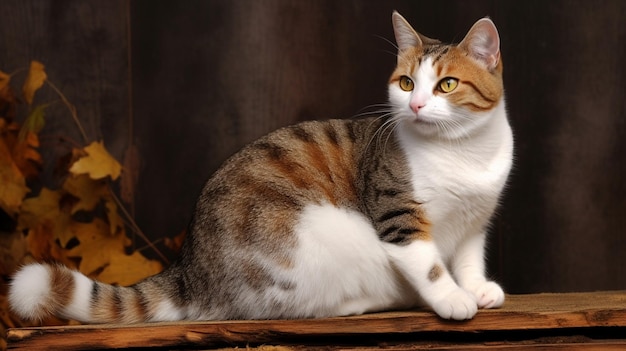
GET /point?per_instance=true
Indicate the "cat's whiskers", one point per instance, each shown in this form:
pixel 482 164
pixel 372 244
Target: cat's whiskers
pixel 385 110
pixel 394 125
pixel 383 104
pixel 451 126
pixel 382 113
pixel 389 123
pixel 397 49
pixel 389 42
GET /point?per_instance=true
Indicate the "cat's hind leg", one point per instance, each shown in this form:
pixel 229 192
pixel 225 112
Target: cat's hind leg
pixel 341 267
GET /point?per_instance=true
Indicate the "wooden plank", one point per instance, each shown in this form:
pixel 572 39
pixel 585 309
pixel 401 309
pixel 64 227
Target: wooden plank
pixel 534 345
pixel 520 313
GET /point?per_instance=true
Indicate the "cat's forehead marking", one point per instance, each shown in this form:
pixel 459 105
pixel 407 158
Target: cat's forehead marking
pixel 428 55
pixel 425 73
pixel 436 51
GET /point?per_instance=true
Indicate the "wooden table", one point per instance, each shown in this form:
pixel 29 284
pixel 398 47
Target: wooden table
pixel 572 321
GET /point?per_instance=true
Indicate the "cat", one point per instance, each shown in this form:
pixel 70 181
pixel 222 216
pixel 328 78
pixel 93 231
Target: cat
pixel 336 217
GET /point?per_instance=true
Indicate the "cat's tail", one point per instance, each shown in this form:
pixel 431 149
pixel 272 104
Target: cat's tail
pixel 42 290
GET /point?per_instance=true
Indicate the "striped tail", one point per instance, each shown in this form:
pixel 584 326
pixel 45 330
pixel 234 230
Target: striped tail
pixel 41 290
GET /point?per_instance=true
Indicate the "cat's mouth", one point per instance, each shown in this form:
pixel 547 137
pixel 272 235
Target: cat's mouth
pixel 417 119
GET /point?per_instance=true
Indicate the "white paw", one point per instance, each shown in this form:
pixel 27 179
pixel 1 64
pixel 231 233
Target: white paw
pixel 458 305
pixel 488 295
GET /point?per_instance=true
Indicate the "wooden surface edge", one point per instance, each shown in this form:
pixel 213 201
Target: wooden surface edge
pixel 521 313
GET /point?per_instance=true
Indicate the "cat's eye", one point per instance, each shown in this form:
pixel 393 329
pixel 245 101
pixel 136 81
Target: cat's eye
pixel 406 83
pixel 446 85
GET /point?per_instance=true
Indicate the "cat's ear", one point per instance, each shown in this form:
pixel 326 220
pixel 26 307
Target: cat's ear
pixel 406 36
pixel 483 43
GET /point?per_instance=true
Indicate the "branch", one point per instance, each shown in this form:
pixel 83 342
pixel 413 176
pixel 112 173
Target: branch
pixel 135 227
pixel 72 109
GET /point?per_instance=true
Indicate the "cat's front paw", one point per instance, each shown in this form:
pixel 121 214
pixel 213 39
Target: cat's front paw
pixel 458 305
pixel 488 294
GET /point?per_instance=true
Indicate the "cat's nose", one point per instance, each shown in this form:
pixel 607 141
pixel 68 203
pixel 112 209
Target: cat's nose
pixel 416 105
pixel 418 100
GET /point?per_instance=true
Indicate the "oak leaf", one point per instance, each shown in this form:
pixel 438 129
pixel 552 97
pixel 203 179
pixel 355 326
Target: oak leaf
pixel 98 163
pixel 34 80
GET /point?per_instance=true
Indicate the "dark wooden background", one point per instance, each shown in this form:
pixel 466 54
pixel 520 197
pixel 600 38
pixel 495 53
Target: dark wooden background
pixel 190 82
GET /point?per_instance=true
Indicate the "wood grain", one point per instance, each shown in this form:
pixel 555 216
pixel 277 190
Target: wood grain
pixel 521 313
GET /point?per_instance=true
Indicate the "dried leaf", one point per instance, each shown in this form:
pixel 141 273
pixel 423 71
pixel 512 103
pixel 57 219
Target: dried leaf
pixel 43 247
pixel 89 192
pixel 128 269
pixel 34 123
pixel 61 228
pixel 12 250
pixel 101 252
pixel 34 80
pixel 115 221
pixel 39 239
pixel 36 209
pixel 12 190
pixel 130 175
pixel 8 133
pixel 13 187
pixel 26 157
pixel 96 245
pixel 65 161
pixel 4 81
pixel 98 163
pixel 46 208
pixel 176 243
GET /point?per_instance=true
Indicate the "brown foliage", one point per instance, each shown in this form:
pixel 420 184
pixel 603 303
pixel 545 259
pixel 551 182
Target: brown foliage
pixel 79 224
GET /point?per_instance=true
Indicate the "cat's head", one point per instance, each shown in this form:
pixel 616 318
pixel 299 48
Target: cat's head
pixel 446 91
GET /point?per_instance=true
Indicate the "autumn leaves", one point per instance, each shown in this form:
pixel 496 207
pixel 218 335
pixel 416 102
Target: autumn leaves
pixel 82 223
pixel 97 163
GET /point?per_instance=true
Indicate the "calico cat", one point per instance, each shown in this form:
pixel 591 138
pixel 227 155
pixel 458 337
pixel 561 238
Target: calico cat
pixel 337 217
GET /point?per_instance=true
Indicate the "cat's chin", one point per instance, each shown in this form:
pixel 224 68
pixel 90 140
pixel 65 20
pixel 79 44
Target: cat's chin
pixel 424 125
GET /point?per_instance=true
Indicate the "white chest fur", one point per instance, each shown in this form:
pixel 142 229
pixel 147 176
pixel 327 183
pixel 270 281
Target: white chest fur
pixel 459 181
